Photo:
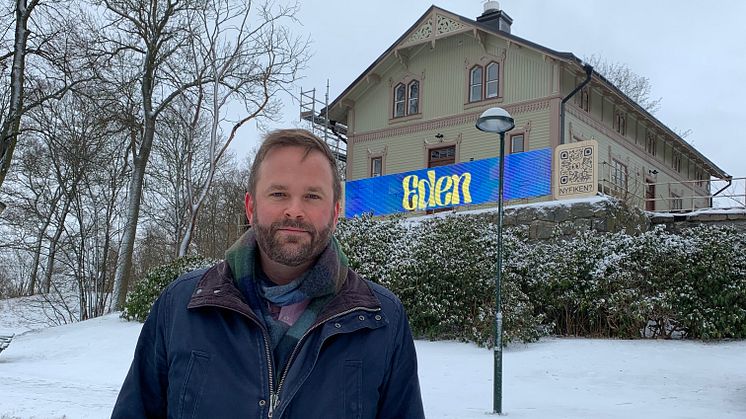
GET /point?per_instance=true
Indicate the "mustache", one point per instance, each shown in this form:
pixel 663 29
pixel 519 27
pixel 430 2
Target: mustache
pixel 292 224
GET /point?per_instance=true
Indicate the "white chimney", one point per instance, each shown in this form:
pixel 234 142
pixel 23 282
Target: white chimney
pixel 491 6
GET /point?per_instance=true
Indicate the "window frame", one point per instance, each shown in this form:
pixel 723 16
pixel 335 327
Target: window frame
pixel 416 99
pixel 620 123
pixel 487 80
pixel 585 99
pixel 511 148
pixel 373 161
pixel 651 144
pixel 397 101
pixel 406 100
pixel 472 84
pixel 676 159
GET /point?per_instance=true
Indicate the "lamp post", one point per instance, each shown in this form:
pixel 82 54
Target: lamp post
pixel 498 120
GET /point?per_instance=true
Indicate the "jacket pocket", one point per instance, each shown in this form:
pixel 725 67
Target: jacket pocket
pixel 352 388
pixel 194 382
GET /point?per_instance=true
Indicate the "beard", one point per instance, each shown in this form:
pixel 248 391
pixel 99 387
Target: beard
pixel 291 250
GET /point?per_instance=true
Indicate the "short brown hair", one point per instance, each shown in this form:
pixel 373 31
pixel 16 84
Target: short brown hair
pixel 294 138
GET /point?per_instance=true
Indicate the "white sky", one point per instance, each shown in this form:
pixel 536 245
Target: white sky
pixel 693 53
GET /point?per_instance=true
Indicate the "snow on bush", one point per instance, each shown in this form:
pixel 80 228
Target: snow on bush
pixel 141 299
pixel 654 284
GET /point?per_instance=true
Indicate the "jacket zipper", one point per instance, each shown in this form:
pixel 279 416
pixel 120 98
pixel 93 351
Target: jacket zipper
pixel 276 396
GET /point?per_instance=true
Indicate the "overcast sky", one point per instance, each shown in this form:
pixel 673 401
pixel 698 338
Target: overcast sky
pixel 694 54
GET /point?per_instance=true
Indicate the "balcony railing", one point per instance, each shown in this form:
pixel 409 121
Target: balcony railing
pixel 673 196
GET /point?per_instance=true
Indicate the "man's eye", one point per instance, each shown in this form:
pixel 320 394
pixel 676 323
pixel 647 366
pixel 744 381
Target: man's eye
pixel 313 196
pixel 277 194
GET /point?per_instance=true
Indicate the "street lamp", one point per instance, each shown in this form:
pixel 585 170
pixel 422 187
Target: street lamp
pixel 498 120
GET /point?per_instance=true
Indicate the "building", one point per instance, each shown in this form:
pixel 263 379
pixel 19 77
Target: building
pixel 416 105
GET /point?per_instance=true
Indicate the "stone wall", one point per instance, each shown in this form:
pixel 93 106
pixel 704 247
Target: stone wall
pixel 604 214
pixel 735 218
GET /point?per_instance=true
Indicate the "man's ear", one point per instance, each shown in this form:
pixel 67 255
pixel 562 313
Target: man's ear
pixel 249 204
pixel 337 209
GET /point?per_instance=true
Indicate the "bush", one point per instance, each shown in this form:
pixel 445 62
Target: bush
pixel 654 284
pixel 141 299
pixel 443 270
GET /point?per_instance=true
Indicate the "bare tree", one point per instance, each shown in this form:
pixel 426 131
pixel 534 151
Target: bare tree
pixel 635 86
pixel 245 63
pixel 148 39
pixel 46 57
pixel 164 40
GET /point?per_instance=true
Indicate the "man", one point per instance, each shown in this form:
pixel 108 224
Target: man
pixel 282 328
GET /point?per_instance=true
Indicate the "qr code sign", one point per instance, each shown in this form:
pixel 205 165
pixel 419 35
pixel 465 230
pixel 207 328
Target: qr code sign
pixel 576 169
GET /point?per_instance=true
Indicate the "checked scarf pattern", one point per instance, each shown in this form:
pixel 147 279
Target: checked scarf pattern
pixel 320 283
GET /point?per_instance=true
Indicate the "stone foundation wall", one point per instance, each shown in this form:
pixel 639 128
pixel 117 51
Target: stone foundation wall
pixel 607 215
pixel 735 218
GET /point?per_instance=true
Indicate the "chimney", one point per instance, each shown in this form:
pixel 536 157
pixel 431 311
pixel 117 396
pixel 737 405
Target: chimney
pixel 494 17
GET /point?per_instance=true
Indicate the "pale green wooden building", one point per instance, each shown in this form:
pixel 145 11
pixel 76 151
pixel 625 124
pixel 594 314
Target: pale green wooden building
pixel 415 107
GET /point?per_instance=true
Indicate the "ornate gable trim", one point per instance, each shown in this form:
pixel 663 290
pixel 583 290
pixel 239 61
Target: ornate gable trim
pixel 435 26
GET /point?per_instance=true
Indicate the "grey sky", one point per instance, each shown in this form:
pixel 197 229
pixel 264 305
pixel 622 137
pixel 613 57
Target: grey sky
pixel 694 54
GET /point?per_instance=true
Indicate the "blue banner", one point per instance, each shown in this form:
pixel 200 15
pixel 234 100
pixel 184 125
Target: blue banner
pixel 526 175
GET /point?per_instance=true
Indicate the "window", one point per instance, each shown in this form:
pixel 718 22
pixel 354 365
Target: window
pixel 676 161
pixel 618 176
pixel 491 88
pixel 517 144
pixel 400 94
pixel 650 145
pixel 620 123
pixel 376 166
pixel 407 99
pixel 585 100
pixel 484 82
pixel 414 97
pixel 442 156
pixel 475 84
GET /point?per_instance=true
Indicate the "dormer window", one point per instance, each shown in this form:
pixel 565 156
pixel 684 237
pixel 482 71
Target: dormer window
pixel 406 99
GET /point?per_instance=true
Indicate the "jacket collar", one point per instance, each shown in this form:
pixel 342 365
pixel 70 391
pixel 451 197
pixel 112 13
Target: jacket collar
pixel 217 288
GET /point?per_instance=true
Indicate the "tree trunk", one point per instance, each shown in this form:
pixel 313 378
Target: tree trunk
pixel 12 123
pixel 126 248
pixel 53 246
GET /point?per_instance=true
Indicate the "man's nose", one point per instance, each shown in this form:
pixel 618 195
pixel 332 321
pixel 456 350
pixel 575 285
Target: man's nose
pixel 295 208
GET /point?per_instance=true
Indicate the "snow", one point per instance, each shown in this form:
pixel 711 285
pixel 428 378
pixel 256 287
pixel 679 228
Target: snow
pixel 75 371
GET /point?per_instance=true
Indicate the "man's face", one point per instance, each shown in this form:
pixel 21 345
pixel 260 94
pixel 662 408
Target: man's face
pixel 293 212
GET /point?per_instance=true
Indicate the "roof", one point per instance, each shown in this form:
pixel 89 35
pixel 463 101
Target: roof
pixel 568 57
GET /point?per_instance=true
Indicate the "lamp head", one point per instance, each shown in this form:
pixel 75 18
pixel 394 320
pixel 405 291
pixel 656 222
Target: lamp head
pixel 496 120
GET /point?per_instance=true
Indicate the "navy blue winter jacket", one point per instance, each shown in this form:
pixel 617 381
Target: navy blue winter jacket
pixel 204 353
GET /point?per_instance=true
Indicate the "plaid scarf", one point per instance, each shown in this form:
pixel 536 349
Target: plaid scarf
pixel 320 283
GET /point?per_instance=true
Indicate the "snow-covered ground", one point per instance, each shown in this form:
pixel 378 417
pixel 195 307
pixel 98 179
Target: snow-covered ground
pixel 74 371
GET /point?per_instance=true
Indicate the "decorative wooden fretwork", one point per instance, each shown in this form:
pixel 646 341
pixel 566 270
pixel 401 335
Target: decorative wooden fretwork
pixel 447 25
pixel 435 26
pixel 422 33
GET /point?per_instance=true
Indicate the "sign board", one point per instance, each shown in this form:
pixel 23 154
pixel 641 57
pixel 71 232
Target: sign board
pixel 527 175
pixel 576 175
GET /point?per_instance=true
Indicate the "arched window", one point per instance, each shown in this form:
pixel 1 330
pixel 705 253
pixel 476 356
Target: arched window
pixel 475 84
pixel 414 98
pixel 492 85
pixel 400 97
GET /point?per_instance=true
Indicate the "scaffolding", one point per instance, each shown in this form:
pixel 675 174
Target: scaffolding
pixel 332 132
